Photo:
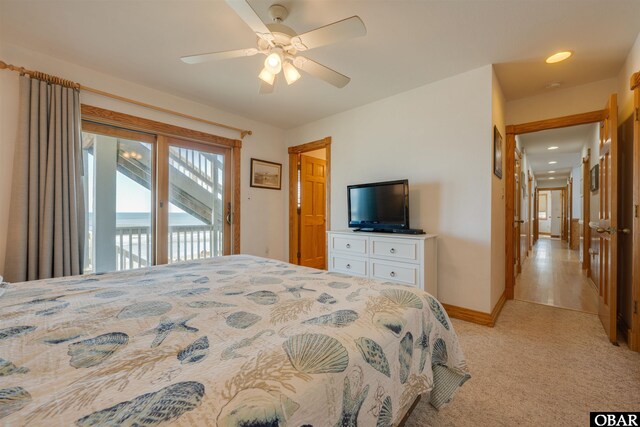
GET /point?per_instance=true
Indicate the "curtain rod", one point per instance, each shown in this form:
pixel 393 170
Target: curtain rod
pixel 68 83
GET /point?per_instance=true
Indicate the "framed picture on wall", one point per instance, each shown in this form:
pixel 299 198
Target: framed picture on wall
pixel 497 153
pixel 266 174
pixel 594 183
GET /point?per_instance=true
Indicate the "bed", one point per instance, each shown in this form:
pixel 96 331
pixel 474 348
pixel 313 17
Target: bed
pixel 229 341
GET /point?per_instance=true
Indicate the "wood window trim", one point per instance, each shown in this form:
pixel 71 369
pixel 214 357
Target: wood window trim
pixel 99 115
pixel 294 153
pixel 509 157
pixel 132 127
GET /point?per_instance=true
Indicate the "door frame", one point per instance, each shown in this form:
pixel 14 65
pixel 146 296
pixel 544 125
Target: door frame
pixel 510 151
pixel 294 215
pixel 563 198
pixel 159 130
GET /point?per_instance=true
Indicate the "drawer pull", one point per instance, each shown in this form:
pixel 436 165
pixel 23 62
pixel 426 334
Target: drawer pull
pixel 348 266
pixel 392 274
pixel 392 250
pixel 348 245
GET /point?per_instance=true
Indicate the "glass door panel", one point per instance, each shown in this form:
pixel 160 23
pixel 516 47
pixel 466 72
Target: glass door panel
pixel 196 223
pixel 118 183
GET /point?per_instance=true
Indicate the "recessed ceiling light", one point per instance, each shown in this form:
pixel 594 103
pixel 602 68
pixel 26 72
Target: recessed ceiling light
pixel 553 162
pixel 552 178
pixel 553 147
pixel 557 57
pixel 552 171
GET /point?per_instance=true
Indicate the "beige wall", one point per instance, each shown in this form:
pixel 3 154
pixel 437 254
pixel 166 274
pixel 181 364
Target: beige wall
pixel 263 211
pixel 318 154
pixel 438 136
pixel 561 102
pixel 497 198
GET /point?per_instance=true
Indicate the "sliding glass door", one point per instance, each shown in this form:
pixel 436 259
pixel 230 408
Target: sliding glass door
pixel 118 184
pixel 153 199
pixel 196 215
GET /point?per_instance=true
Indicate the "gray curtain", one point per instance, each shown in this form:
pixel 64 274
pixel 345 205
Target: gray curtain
pixel 46 220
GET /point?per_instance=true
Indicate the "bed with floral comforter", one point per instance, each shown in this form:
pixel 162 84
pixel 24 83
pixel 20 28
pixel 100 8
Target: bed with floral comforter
pixel 230 341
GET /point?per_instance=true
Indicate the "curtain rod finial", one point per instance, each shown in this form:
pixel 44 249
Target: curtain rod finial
pixel 245 133
pixel 3 65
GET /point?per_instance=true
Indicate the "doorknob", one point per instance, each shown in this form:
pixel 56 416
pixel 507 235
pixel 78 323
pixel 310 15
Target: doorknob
pixel 520 221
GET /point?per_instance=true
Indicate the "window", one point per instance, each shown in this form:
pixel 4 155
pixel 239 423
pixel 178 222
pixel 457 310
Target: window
pixel 542 207
pixel 153 198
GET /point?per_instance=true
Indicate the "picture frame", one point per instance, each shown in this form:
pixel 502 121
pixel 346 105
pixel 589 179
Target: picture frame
pixel 497 153
pixel 594 178
pixel 266 174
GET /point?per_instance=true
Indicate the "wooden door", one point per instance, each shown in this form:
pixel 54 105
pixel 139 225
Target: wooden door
pixel 194 200
pixel 606 229
pixel 634 341
pixel 313 175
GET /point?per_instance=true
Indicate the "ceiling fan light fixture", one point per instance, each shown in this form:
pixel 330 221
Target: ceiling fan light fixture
pixel 291 74
pixel 267 76
pixel 273 63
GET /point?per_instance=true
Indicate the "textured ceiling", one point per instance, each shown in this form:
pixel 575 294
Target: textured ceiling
pixel 409 44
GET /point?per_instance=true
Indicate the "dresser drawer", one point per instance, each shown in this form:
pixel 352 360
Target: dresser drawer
pixel 403 250
pixel 355 267
pixel 356 245
pixel 407 274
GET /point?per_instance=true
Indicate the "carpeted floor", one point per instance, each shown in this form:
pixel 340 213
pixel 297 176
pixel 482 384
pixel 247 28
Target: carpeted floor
pixel 539 366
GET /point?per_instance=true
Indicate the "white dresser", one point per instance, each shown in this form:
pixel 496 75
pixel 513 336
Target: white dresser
pixel 409 259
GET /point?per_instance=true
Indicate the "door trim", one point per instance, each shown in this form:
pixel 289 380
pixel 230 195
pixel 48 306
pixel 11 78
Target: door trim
pixel 294 220
pixel 510 152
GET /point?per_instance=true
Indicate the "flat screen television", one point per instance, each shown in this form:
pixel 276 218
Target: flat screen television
pixel 379 206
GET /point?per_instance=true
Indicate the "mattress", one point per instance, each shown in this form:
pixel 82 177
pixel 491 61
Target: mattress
pixel 230 341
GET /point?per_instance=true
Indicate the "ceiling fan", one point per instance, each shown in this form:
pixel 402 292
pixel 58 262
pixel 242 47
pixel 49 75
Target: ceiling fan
pixel 281 45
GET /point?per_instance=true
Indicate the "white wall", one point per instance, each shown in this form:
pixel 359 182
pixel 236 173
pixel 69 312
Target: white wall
pixel 561 102
pixel 625 95
pixel 593 144
pixel 439 136
pixel 576 192
pixel 497 197
pixel 263 211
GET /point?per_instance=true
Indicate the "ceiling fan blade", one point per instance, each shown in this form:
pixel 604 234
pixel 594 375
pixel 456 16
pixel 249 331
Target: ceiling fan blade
pixel 228 54
pixel 266 88
pixel 321 72
pixel 333 33
pixel 251 18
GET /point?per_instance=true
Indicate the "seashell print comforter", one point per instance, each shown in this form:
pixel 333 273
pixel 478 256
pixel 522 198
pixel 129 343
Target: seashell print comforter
pixel 230 341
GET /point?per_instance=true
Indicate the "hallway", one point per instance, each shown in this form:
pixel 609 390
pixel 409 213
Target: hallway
pixel 552 275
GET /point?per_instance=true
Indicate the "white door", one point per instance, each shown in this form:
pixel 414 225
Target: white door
pixel 556 212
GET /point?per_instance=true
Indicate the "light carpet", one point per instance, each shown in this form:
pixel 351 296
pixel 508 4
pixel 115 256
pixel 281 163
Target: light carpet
pixel 539 366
